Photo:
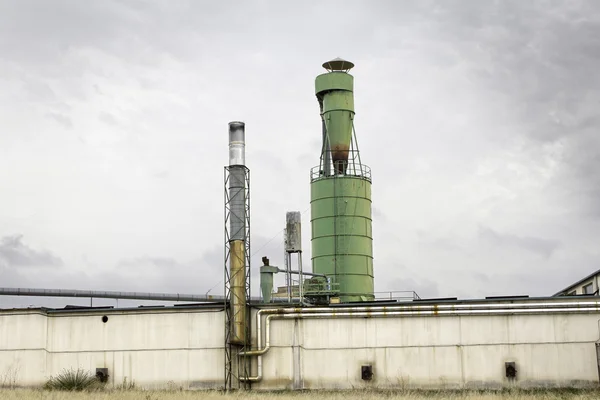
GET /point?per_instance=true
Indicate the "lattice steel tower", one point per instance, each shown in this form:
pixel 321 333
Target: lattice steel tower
pixel 237 261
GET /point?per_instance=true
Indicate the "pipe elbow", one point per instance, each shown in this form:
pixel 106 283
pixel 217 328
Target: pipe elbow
pixel 253 353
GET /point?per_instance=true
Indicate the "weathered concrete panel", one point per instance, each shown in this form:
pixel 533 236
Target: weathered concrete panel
pixel 438 351
pixel 184 348
pixel 180 348
pixel 22 330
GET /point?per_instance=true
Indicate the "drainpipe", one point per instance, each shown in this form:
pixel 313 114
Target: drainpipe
pixel 257 353
pixel 404 311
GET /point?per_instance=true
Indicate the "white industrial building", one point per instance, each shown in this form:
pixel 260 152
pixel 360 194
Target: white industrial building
pixel 585 286
pixel 549 342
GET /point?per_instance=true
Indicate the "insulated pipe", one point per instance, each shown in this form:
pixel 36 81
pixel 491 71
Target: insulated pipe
pixel 437 306
pixel 301 273
pixel 258 353
pixel 109 295
pixel 378 312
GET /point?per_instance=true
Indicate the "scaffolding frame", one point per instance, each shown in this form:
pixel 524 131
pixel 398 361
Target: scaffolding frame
pixel 237 368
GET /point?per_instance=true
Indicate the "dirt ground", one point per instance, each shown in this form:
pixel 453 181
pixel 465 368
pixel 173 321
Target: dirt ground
pixel 26 394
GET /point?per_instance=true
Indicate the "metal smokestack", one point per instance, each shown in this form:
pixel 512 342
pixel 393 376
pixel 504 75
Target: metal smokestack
pixel 238 208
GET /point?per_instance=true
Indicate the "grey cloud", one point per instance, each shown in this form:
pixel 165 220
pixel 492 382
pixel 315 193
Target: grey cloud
pixel 539 58
pixel 214 256
pixel 579 180
pixel 305 159
pixel 169 274
pixel 377 213
pixel 68 26
pixel 544 247
pixel 108 119
pixel 163 281
pixel 141 262
pixel 480 276
pixel 162 174
pixel 63 120
pixel 61 24
pixel 15 253
pixel 39 91
pixel 524 73
pixel 537 282
pixel 422 286
pixel 138 274
pixel 439 242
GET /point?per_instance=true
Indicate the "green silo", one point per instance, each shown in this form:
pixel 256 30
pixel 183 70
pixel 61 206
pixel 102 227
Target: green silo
pixel 342 240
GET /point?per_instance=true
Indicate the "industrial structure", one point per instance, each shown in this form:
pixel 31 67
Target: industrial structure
pixel 327 328
pixel 237 256
pixel 340 190
pixel 585 286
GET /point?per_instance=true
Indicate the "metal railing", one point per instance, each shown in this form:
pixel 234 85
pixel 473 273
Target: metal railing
pixel 357 170
pixel 399 295
pixel 329 288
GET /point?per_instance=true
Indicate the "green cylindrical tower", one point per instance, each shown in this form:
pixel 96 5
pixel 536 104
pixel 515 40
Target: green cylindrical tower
pixel 342 241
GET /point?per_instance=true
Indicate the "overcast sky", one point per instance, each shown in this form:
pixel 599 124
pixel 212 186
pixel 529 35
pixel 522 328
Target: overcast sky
pixel 478 118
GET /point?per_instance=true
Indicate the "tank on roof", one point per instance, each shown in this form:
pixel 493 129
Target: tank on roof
pixel 341 192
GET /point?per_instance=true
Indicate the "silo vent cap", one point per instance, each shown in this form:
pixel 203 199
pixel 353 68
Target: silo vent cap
pixel 338 64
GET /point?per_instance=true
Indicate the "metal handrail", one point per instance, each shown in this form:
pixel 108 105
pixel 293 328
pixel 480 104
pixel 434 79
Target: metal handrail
pixel 321 287
pixel 397 295
pixel 360 170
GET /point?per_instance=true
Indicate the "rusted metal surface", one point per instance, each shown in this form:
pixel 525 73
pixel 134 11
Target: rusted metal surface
pixel 238 292
pixel 293 231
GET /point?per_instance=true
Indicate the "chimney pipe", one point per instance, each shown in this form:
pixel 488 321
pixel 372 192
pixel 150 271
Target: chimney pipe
pixel 237 143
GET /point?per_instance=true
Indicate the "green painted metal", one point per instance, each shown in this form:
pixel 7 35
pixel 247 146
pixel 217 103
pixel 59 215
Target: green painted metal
pixel 342 240
pixel 319 291
pixel 335 91
pixel 266 281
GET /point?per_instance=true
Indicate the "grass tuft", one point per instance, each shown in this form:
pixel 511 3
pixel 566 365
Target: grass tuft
pixel 73 380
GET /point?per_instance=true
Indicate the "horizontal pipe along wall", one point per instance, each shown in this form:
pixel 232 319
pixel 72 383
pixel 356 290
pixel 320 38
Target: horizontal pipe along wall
pixel 551 343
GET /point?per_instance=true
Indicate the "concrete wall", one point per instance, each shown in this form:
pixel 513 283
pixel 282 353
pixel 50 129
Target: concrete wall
pixel 150 348
pixel 184 348
pixel 433 352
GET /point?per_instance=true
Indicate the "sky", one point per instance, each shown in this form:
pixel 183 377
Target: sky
pixel 479 120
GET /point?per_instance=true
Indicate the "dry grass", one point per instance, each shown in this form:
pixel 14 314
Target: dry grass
pixel 26 394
